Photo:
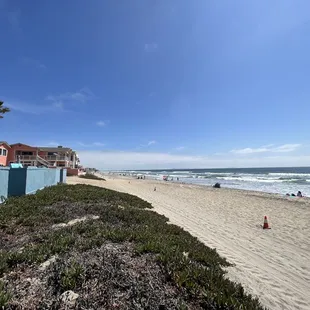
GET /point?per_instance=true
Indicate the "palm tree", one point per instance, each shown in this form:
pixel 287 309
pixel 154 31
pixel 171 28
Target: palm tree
pixel 3 109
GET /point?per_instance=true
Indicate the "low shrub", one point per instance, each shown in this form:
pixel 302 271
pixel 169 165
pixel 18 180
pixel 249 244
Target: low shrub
pixel 193 268
pixel 4 296
pixel 91 177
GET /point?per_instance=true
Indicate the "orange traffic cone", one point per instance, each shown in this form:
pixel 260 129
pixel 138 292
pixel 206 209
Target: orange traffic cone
pixel 266 225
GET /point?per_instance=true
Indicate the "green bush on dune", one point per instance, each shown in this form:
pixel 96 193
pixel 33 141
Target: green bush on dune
pixel 126 235
pixel 91 177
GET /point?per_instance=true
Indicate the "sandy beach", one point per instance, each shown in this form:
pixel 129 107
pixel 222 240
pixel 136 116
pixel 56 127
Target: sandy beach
pixel 273 265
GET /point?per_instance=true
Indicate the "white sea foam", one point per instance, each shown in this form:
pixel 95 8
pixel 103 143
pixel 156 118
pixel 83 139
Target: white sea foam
pixel 250 179
pixel 273 182
pixel 290 174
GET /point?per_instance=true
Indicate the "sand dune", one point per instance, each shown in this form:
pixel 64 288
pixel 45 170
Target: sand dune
pixel 271 264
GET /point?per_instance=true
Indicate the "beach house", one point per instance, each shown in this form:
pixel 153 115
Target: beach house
pixel 4 152
pixel 49 157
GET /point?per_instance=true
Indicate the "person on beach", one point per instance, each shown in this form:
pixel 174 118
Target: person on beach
pixel 299 194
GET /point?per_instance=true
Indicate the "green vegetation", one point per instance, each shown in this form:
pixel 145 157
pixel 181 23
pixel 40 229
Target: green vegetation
pixel 71 276
pixel 4 295
pixel 91 176
pixel 128 253
pixel 3 109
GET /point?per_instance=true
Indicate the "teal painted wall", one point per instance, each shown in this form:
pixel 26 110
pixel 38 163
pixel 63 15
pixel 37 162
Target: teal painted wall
pixel 17 179
pixel 35 179
pixel 63 175
pixel 21 181
pixel 4 182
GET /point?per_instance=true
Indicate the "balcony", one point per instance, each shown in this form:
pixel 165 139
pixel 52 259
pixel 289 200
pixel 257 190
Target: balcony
pixel 26 157
pixel 48 158
pixel 55 158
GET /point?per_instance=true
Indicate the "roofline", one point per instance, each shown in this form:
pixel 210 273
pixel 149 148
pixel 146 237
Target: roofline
pixel 4 142
pixel 34 147
pixel 45 148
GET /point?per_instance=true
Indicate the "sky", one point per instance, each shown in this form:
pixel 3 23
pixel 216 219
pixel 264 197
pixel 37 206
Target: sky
pixel 146 84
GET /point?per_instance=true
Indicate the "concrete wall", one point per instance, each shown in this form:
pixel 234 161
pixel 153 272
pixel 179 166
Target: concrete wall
pixel 17 181
pixel 4 182
pixel 21 181
pixel 63 175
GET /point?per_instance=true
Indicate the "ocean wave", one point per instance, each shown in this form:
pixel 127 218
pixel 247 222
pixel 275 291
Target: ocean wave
pixel 299 181
pixel 215 174
pixel 250 179
pixel 265 180
pixel 290 174
pixel 184 176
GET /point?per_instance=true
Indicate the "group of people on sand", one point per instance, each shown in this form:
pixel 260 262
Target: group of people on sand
pixel 299 194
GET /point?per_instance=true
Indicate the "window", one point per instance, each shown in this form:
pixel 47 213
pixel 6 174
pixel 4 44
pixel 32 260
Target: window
pixel 3 152
pixel 23 153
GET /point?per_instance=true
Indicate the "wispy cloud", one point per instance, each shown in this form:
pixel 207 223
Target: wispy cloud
pixel 152 160
pixel 83 95
pixel 150 47
pixel 98 144
pixel 267 148
pixel 180 148
pixel 28 61
pixel 249 150
pixel 11 14
pixel 51 103
pixel 14 19
pixel 91 144
pixel 32 108
pixel 287 148
pixel 268 145
pixel 146 145
pixel 53 143
pixel 102 123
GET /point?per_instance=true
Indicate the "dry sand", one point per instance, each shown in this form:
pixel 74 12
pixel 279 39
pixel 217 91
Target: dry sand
pixel 273 265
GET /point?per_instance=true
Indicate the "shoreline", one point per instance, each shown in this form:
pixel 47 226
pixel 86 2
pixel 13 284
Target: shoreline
pixel 208 187
pixel 272 265
pixel 272 181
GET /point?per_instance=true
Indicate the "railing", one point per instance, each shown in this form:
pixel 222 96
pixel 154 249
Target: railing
pixel 54 157
pixel 48 158
pixel 26 157
pixel 47 161
pixel 43 162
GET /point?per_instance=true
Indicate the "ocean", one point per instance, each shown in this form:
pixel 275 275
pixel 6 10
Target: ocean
pixel 270 180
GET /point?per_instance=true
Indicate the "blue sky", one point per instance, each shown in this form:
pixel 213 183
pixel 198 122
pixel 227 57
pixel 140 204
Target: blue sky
pixel 159 84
